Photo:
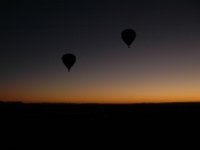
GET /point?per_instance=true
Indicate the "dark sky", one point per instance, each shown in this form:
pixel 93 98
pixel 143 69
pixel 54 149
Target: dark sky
pixel 162 65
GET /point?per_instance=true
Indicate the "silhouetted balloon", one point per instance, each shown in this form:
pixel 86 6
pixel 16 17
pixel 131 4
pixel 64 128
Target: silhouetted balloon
pixel 128 36
pixel 69 60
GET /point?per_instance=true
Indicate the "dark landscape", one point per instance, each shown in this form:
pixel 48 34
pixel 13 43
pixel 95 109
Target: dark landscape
pixel 130 112
pixel 78 122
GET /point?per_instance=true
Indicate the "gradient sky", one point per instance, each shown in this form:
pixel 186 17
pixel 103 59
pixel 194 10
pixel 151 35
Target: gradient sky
pixel 163 64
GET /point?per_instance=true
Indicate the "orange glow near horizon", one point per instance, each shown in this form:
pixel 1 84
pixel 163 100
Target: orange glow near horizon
pixel 104 97
pixel 103 101
pixel 150 91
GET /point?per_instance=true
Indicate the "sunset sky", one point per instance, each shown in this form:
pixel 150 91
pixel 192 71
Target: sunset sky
pixel 162 65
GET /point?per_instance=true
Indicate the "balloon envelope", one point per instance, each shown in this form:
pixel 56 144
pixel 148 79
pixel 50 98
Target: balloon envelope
pixel 69 60
pixel 128 36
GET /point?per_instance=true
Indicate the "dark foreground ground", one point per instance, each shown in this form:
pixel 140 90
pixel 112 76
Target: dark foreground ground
pixel 166 111
pixel 89 122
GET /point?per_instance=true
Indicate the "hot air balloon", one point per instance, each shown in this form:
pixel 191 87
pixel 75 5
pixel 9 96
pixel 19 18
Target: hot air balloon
pixel 128 36
pixel 69 60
